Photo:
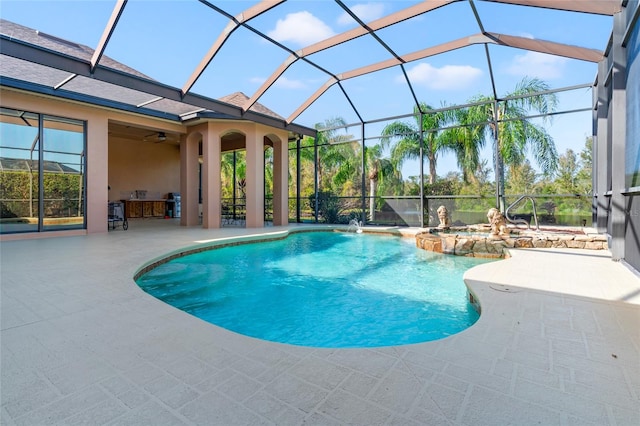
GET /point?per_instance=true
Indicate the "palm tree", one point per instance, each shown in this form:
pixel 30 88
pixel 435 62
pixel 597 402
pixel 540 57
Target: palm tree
pixel 328 138
pixel 342 159
pixel 307 166
pixel 268 171
pixel 511 132
pixel 379 170
pixel 341 162
pixel 433 142
pixel 466 141
pixel 227 176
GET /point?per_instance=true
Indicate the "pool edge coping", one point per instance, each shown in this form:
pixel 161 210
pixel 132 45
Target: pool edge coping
pixel 221 242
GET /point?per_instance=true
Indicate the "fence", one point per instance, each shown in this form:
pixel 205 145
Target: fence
pixel 554 209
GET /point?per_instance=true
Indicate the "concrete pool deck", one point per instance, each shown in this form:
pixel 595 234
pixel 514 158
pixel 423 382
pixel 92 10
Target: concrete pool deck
pixel 558 342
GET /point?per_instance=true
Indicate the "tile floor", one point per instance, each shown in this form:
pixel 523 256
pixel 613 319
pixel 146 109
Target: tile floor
pixel 558 343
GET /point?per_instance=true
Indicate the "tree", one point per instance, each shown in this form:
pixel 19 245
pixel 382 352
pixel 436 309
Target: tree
pixel 481 182
pixel 466 141
pixel 433 142
pixel 226 174
pixel 341 162
pixel 227 170
pixel 268 172
pixel 584 177
pixel 567 173
pixel 307 167
pixel 511 132
pixel 329 155
pixel 521 178
pixel 379 169
pixel 573 175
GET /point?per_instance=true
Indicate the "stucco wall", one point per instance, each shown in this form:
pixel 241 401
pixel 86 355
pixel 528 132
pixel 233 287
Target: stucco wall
pixel 137 165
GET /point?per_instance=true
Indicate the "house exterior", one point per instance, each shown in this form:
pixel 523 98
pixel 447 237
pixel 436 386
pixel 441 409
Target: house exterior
pixel 111 143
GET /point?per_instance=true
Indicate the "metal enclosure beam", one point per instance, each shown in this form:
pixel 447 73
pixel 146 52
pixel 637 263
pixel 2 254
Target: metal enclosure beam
pixel 618 136
pixel 246 15
pixel 600 150
pixel 549 47
pixel 598 7
pixel 118 8
pixel 344 37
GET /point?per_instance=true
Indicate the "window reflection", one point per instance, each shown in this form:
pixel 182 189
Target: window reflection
pixel 63 172
pixel 42 185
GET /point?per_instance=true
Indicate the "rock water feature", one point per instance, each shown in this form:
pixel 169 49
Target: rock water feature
pixel 492 240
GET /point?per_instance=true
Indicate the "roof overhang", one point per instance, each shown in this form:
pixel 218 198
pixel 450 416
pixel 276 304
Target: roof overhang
pixel 78 67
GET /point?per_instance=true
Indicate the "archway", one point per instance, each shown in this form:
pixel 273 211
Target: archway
pixel 231 184
pixel 233 169
pixel 234 180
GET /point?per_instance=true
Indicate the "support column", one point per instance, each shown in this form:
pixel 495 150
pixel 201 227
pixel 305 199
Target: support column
pixel 618 139
pixel 600 151
pixel 211 180
pixel 298 180
pixel 97 181
pixel 280 182
pixel 255 180
pixel 363 182
pixel 189 153
pixel 422 203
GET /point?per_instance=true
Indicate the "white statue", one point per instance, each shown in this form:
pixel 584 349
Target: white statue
pixel 497 222
pixel 443 216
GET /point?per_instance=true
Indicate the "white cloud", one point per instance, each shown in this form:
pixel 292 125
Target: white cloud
pixel 536 64
pixel 301 28
pixel 367 12
pixel 446 78
pixel 285 83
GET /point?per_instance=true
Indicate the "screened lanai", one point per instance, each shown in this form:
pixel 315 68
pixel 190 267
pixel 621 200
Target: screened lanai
pixel 349 83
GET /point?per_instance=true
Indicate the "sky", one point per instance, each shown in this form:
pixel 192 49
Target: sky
pixel 166 39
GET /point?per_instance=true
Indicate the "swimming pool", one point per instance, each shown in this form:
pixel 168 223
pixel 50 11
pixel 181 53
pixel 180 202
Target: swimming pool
pixel 322 289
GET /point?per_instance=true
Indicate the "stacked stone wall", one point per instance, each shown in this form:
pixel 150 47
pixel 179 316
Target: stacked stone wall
pixel 497 246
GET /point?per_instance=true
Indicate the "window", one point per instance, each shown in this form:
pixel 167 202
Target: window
pixel 42 172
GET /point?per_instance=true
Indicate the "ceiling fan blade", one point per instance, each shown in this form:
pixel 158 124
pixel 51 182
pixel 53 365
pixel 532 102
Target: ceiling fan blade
pixel 156 137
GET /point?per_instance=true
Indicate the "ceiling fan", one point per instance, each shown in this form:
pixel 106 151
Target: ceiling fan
pixel 156 137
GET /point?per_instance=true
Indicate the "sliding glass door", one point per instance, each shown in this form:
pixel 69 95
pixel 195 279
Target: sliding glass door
pixel 63 173
pixel 42 172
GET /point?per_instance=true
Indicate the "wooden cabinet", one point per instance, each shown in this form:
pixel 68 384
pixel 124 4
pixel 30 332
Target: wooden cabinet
pixel 145 208
pixel 159 208
pixel 133 209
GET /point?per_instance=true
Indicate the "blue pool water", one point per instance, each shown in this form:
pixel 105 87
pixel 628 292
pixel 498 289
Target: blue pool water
pixel 322 289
